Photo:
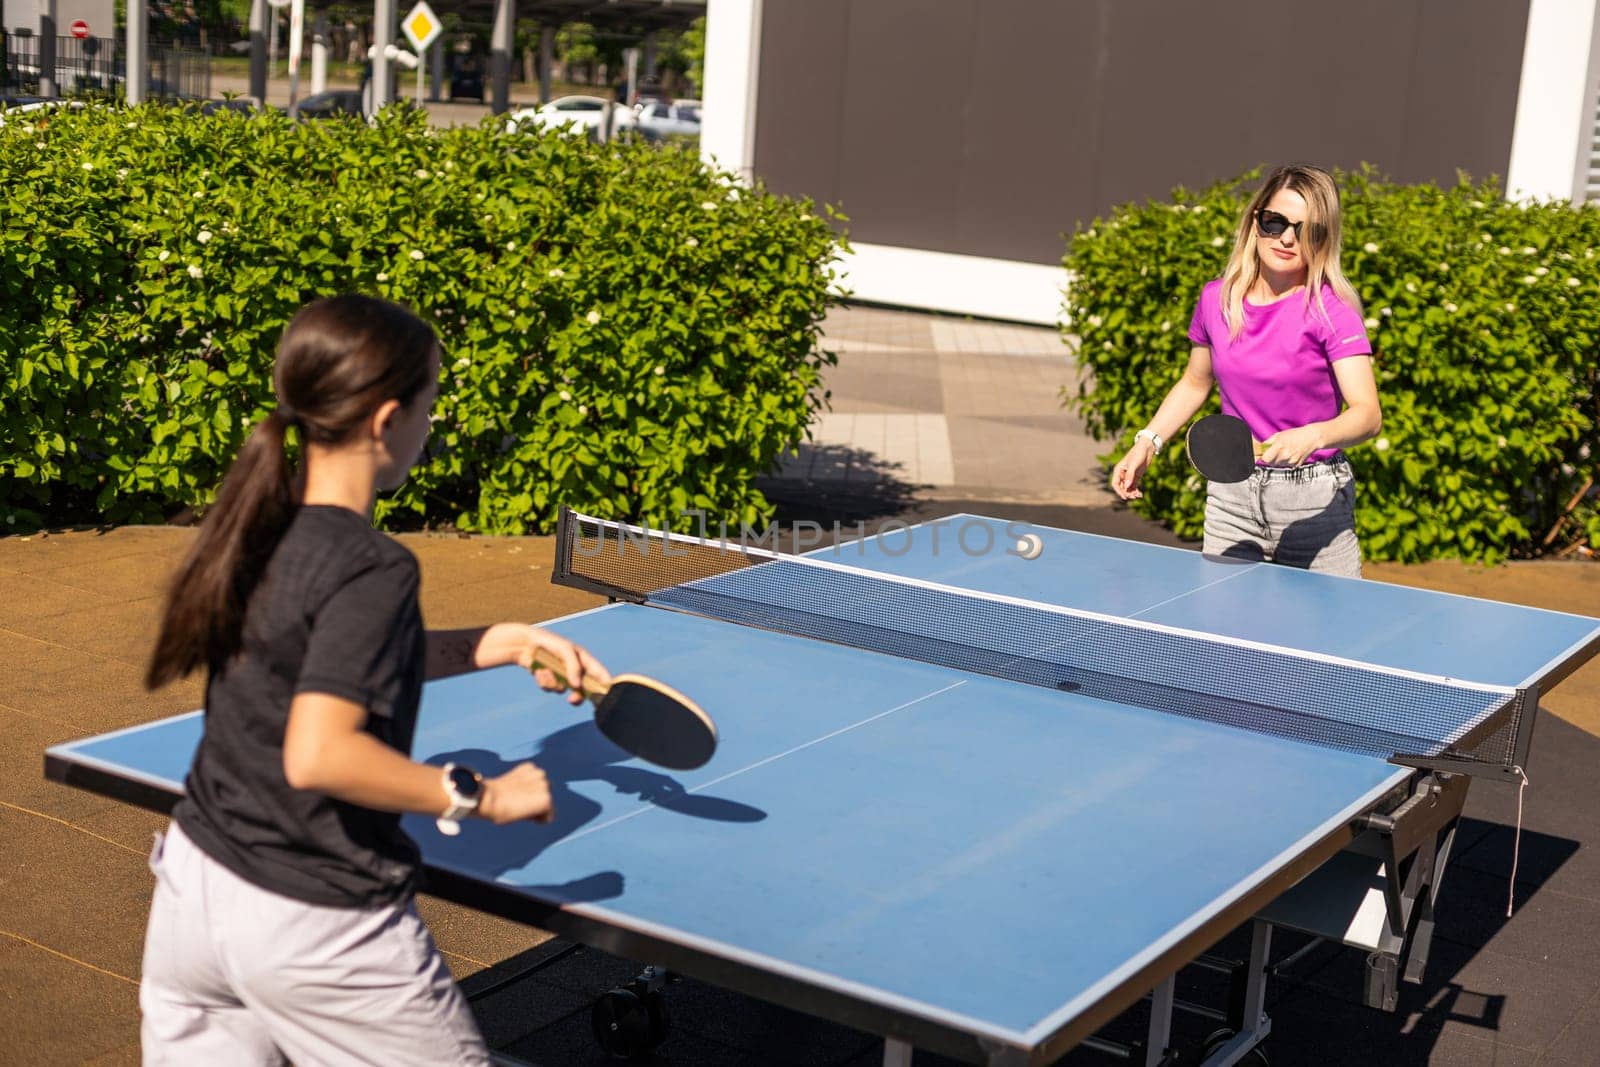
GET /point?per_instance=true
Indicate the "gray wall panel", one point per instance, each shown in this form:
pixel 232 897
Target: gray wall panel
pixel 990 127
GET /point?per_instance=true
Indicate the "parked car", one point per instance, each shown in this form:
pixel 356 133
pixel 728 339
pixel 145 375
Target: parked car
pixel 657 119
pixel 330 104
pixel 587 113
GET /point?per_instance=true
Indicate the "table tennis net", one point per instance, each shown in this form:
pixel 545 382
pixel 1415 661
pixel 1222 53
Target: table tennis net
pixel 1360 708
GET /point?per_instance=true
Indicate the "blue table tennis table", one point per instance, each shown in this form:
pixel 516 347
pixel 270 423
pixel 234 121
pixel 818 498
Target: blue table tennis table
pixel 987 868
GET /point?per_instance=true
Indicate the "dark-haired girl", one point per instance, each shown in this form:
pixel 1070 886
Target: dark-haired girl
pixel 283 925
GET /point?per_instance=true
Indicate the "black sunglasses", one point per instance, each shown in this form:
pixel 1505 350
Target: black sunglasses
pixel 1272 224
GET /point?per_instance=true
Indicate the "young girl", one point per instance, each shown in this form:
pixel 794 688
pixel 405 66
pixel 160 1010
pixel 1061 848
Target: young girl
pixel 1280 333
pixel 283 924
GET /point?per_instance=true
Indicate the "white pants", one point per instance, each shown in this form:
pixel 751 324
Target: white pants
pixel 236 974
pixel 1300 516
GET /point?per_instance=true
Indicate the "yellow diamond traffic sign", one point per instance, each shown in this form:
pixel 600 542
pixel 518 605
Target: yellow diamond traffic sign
pixel 422 26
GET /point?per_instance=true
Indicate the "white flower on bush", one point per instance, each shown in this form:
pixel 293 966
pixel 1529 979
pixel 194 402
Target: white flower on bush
pixel 660 370
pixel 38 144
pixel 122 174
pixel 1448 306
pixel 199 194
pixel 707 205
pixel 1573 282
pixel 1528 279
pixel 383 277
pixel 1370 246
pixel 1095 320
pixel 1386 312
pixel 462 364
pixel 195 271
pixel 1529 250
pixel 557 272
pixel 805 216
pixel 1218 242
pixel 1445 267
pixel 1166 325
pixel 420 173
pixel 88 166
pixel 1179 209
pixel 1381 444
pixel 161 257
pixel 1500 442
pixel 1504 251
pixel 593 318
pixel 1541 271
pixel 1511 307
pixel 565 396
pixel 1199 209
pixel 1476 203
pixel 416 254
pixel 733 192
pixel 1411 287
pixel 583 409
pixel 511 246
pixel 203 236
pixel 1485 238
pixel 1370 323
pixel 1106 346
pixel 692 242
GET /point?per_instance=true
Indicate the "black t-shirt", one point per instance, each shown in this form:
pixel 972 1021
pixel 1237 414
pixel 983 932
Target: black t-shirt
pixel 336 612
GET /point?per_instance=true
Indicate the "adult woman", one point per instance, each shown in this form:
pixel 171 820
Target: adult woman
pixel 1281 335
pixel 283 924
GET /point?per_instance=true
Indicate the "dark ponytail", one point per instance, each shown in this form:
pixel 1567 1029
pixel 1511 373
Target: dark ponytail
pixel 338 360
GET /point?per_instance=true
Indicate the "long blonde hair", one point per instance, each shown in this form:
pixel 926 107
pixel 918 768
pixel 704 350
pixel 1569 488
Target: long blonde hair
pixel 1319 241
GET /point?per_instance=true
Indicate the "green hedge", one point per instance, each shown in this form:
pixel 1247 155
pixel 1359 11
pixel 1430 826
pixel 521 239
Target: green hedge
pixel 1485 320
pixel 627 331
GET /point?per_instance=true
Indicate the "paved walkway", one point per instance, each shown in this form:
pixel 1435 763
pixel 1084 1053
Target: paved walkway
pixel 949 408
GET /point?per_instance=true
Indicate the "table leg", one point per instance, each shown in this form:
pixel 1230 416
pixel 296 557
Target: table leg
pixel 896 1053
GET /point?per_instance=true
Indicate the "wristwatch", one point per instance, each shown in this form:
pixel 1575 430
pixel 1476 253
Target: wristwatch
pixel 1151 436
pixel 464 787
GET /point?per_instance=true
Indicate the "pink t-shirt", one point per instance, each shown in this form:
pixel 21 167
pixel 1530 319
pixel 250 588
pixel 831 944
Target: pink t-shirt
pixel 1278 373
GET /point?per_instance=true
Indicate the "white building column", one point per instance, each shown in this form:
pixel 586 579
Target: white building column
pixel 728 111
pixel 1552 135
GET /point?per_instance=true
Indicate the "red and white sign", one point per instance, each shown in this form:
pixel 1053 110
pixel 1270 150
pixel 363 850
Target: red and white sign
pixel 79 28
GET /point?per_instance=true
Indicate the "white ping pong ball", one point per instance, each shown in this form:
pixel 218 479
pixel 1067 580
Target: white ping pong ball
pixel 1029 546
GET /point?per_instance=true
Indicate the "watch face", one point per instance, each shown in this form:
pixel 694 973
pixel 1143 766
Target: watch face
pixel 465 782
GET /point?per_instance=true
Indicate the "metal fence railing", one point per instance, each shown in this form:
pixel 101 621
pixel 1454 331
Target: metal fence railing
pixel 95 67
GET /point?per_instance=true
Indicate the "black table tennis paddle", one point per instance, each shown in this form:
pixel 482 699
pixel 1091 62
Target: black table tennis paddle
pixel 1221 448
pixel 646 718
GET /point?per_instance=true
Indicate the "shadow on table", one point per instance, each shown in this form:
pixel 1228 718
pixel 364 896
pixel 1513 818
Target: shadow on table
pixel 575 754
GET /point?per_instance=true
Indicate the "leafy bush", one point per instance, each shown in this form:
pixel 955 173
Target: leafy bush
pixel 1484 317
pixel 626 331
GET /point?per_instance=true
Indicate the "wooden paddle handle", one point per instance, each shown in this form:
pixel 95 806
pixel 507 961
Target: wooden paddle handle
pixel 593 687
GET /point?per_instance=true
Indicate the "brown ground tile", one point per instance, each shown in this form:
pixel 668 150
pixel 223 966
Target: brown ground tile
pixel 23 787
pixel 124 631
pixel 1579 1043
pixel 137 576
pixel 131 827
pixel 25 598
pixel 58 1011
pixel 127 1055
pixel 79 689
pixel 474 938
pixel 72 893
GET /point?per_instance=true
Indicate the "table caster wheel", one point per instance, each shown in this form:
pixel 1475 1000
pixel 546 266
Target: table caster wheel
pixel 1254 1058
pixel 629 1022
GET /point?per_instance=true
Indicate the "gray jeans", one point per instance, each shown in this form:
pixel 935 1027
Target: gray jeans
pixel 234 974
pixel 1300 516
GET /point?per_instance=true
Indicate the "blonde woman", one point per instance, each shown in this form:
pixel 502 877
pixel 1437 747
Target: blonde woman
pixel 1280 335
